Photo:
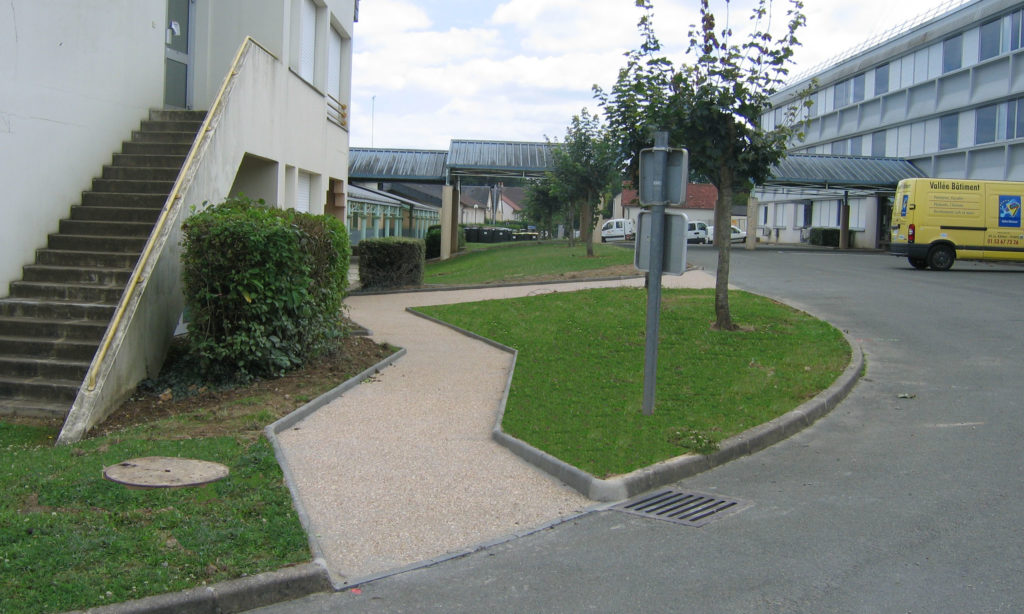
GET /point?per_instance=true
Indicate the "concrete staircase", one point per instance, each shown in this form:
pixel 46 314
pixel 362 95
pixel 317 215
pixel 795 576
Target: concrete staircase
pixel 54 318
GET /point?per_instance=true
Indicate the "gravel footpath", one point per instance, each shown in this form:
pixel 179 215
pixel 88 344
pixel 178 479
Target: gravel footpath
pixel 402 468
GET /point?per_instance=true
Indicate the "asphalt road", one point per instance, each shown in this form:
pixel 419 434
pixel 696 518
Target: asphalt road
pixel 906 498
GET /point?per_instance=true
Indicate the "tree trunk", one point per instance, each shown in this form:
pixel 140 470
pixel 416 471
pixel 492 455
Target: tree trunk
pixel 723 232
pixel 587 226
pixel 572 222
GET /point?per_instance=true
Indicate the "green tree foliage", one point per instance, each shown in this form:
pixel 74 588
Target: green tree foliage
pixel 263 287
pixel 586 170
pixel 712 106
pixel 542 203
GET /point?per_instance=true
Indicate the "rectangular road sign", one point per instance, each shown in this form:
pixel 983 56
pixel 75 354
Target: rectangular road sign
pixel 677 167
pixel 674 254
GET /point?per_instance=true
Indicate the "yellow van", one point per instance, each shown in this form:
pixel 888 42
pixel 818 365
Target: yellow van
pixel 936 221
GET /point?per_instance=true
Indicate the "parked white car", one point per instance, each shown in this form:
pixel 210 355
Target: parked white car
pixel 698 232
pixel 736 236
pixel 618 229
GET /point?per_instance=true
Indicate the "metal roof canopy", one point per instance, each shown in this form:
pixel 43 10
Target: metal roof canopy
pixel 413 165
pixel 463 158
pixel 828 174
pixel 500 158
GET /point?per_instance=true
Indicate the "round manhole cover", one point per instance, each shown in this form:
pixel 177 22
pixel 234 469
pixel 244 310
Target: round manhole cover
pixel 164 472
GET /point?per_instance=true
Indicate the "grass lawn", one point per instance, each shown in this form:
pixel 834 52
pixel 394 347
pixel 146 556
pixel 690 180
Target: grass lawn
pixel 578 385
pixel 527 261
pixel 70 539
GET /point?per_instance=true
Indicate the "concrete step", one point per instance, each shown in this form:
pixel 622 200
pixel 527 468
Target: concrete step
pixel 58 257
pixel 130 186
pixel 50 391
pixel 97 213
pixel 84 330
pixel 114 199
pixel 66 349
pixel 140 173
pixel 155 149
pixel 67 292
pixel 53 310
pixel 75 275
pixel 148 160
pixel 177 115
pixel 164 136
pixel 171 125
pixel 23 366
pixel 89 243
pixel 20 408
pixel 105 229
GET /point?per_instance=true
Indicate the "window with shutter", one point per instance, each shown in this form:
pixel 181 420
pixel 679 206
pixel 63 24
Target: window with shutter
pixel 302 192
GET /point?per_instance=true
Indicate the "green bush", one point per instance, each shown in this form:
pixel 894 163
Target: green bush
pixel 828 237
pixel 433 240
pixel 825 236
pixel 263 287
pixel 391 262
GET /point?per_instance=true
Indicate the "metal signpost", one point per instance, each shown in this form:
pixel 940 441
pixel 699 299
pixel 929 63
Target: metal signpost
pixel 663 174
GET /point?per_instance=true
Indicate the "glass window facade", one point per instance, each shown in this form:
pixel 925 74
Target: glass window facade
pixel 988 43
pixel 949 131
pixel 952 53
pixel 881 79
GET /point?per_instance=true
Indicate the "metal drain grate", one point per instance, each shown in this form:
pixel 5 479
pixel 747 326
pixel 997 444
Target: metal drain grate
pixel 691 509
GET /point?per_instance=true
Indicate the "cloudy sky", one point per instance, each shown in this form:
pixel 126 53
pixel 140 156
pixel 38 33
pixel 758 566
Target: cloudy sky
pixel 428 71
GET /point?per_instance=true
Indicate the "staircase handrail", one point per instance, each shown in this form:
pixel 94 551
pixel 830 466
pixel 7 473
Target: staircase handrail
pixel 179 184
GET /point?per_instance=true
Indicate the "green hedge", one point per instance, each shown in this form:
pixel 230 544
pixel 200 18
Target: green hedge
pixel 433 240
pixel 391 262
pixel 828 237
pixel 263 287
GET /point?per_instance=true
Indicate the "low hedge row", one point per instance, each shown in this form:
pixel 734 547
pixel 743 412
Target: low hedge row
pixel 391 262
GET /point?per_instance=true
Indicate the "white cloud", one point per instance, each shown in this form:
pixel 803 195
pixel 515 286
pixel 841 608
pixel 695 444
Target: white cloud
pixel 559 26
pixel 381 19
pixel 523 72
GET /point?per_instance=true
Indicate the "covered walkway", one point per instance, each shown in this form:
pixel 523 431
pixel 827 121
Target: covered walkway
pixel 486 160
pixel 851 193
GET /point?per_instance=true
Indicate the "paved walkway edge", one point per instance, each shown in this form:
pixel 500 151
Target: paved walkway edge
pixel 681 467
pixel 285 423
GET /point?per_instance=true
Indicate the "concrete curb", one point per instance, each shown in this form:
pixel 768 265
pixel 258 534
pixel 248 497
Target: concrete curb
pixel 231 596
pixel 674 469
pixel 285 584
pixel 548 282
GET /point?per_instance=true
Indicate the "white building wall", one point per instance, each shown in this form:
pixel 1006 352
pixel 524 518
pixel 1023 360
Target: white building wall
pixel 75 79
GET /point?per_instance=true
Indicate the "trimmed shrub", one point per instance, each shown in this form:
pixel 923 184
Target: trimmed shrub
pixel 263 287
pixel 391 262
pixel 433 241
pixel 828 237
pixel 825 236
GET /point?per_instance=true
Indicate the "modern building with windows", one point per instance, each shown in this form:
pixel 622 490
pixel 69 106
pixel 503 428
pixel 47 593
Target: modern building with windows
pixel 944 92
